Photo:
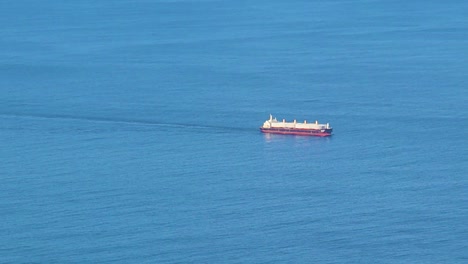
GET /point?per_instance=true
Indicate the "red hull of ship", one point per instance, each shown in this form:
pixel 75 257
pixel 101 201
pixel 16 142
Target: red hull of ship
pixel 299 132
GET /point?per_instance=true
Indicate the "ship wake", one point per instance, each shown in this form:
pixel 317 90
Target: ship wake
pixel 129 121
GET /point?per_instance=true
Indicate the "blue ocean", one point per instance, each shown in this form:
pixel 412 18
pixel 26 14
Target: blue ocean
pixel 129 131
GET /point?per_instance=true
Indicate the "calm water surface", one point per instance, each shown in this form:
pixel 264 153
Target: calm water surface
pixel 129 131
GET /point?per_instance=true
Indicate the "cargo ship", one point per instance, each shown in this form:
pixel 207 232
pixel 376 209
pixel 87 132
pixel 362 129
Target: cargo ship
pixel 294 128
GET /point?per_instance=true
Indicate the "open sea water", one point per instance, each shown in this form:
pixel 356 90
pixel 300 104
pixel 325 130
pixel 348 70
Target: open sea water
pixel 129 131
